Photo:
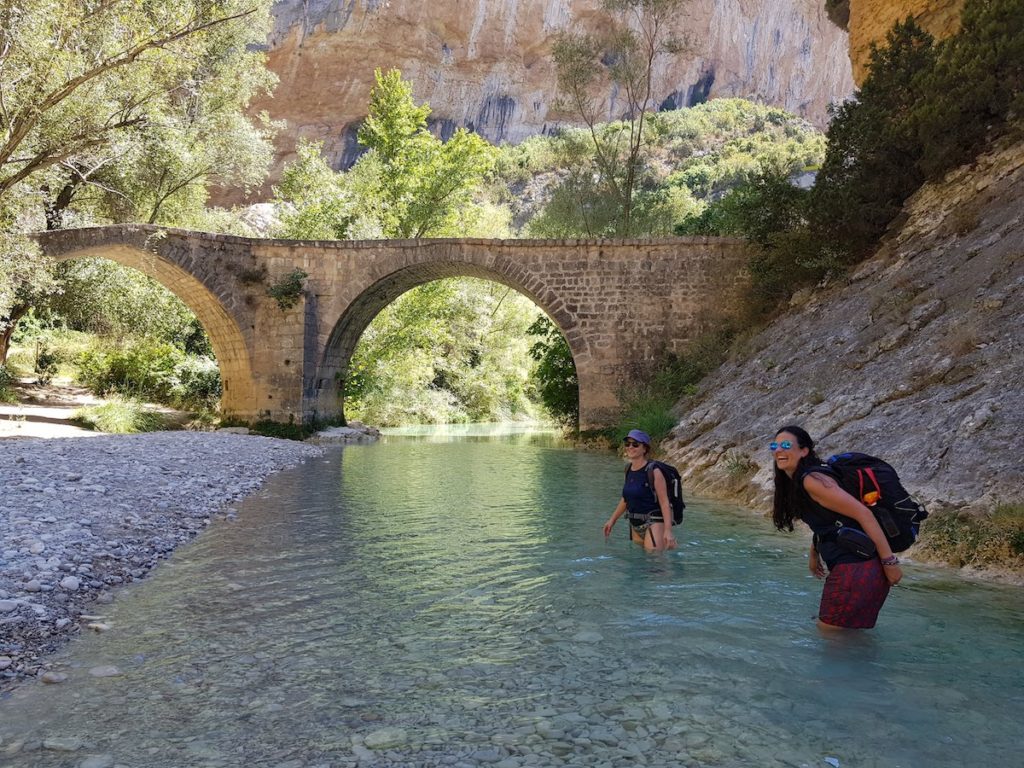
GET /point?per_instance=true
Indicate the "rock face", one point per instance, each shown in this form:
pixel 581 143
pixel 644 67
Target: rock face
pixel 870 20
pixel 918 358
pixel 487 64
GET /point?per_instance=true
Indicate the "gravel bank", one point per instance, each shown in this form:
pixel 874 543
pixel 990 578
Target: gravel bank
pixel 78 517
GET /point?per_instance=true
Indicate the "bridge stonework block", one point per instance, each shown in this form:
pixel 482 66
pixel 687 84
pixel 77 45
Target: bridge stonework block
pixel 620 304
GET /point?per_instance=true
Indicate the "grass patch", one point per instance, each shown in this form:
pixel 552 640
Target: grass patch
pixel 284 430
pixel 989 540
pixel 119 416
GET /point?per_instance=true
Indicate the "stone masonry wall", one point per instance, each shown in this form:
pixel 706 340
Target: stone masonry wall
pixel 620 304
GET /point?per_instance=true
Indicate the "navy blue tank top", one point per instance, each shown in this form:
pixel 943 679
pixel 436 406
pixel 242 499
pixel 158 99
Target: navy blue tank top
pixel 641 500
pixel 822 521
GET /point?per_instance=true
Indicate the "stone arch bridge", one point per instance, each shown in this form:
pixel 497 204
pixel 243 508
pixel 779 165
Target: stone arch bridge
pixel 621 304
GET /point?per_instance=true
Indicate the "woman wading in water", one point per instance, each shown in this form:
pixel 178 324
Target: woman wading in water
pixel 645 496
pixel 856 585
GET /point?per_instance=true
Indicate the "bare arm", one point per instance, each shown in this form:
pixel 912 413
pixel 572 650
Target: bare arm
pixel 826 491
pixel 620 510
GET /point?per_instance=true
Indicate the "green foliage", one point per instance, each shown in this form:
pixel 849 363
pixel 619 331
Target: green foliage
pixel 121 416
pixel 7 382
pixel 140 367
pixel 120 111
pixel 649 395
pixel 555 375
pixel 451 350
pixel 409 184
pixel 287 290
pixel 693 158
pixel 197 383
pixel 47 360
pixel 107 299
pixel 923 109
pixel 986 540
pixel 622 58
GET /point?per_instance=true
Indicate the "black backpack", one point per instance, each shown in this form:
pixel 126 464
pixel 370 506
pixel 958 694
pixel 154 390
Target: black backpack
pixel 875 483
pixel 674 484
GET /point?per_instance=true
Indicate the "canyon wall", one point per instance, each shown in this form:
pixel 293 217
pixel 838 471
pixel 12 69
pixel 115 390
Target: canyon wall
pixel 487 64
pixel 870 20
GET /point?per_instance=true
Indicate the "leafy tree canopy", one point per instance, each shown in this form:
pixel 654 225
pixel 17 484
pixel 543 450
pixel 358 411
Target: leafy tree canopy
pixel 118 110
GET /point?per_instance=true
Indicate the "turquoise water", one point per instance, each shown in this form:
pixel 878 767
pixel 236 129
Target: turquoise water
pixel 449 599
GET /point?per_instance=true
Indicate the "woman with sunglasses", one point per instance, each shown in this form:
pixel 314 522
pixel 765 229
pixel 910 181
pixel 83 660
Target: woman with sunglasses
pixel 650 516
pixel 856 586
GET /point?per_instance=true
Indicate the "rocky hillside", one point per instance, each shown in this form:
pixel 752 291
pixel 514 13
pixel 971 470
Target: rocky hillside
pixel 870 20
pixel 487 64
pixel 918 357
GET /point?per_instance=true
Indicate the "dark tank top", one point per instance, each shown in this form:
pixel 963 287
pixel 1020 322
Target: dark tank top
pixel 641 500
pixel 822 521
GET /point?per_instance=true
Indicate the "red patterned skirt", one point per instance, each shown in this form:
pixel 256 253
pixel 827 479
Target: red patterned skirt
pixel 853 594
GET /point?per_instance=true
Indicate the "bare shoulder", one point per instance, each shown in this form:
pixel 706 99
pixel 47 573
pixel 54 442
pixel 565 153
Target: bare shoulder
pixel 819 481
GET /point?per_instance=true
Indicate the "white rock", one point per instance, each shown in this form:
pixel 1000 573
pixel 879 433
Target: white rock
pixel 70 583
pixel 107 671
pixel 386 738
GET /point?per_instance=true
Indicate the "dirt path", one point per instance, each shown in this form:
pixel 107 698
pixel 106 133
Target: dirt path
pixel 45 410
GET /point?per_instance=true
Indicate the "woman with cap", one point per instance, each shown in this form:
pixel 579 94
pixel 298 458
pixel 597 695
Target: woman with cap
pixel 644 496
pixel 856 585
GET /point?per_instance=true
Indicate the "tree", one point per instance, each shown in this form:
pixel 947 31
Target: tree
pixel 557 382
pixel 409 184
pixel 619 60
pixel 123 99
pixel 423 181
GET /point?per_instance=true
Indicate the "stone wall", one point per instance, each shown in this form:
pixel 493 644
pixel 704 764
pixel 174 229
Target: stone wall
pixel 620 304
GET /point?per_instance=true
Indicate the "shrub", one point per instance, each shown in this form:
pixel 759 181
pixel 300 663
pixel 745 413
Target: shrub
pixel 197 383
pixel 120 416
pixel 288 289
pixel 995 539
pixel 141 367
pixel 7 381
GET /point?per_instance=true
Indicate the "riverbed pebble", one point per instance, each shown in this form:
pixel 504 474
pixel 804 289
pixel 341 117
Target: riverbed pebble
pixel 83 516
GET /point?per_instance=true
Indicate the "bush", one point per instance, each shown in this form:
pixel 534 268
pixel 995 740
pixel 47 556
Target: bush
pixel 989 540
pixel 120 416
pixel 197 383
pixel 7 381
pixel 142 368
pixel 555 374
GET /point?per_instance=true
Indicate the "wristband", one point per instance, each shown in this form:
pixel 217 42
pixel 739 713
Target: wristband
pixel 890 560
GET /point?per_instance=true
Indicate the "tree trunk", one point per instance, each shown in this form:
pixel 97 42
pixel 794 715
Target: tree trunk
pixel 10 323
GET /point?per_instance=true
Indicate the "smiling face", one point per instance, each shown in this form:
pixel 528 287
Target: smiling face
pixel 633 449
pixel 787 459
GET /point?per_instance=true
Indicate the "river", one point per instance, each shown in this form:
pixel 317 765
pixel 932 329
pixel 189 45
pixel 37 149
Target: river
pixel 447 598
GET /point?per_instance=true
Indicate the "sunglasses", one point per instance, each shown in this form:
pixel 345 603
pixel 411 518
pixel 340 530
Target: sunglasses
pixel 784 445
pixel 631 443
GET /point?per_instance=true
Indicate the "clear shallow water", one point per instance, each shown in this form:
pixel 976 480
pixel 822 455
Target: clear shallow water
pixel 444 599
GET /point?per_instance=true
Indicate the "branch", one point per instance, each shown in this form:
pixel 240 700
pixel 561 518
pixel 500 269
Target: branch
pixel 21 127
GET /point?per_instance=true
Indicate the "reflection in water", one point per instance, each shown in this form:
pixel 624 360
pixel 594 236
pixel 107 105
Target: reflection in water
pixel 445 600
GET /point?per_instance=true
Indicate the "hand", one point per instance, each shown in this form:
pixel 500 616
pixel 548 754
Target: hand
pixel 669 542
pixel 893 573
pixel 608 528
pixel 816 566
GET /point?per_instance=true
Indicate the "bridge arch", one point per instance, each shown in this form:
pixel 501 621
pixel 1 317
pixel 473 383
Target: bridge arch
pixel 364 307
pixel 210 308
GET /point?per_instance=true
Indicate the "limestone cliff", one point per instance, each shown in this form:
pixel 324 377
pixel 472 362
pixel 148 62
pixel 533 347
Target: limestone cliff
pixel 870 20
pixel 918 356
pixel 486 64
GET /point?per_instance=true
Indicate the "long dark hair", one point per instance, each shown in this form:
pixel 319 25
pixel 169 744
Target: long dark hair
pixel 787 499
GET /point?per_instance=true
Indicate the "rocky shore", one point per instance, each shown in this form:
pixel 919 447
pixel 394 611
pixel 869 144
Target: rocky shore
pixel 79 517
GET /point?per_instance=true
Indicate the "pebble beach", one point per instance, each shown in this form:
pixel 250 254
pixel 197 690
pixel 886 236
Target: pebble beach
pixel 79 518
